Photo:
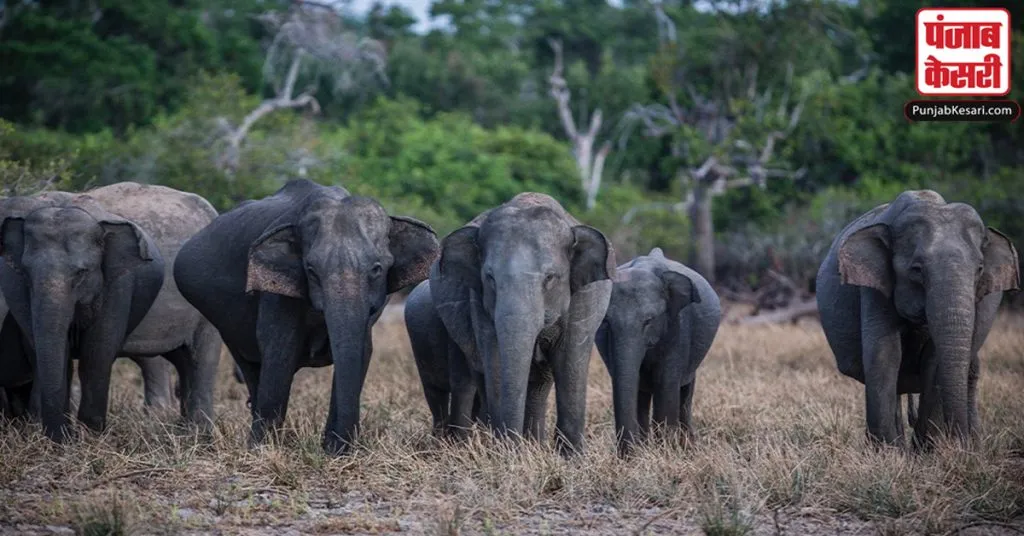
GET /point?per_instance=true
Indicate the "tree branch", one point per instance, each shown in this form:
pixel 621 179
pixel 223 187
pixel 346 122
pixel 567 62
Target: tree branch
pixel 283 100
pixel 560 90
pixel 680 207
pixel 589 165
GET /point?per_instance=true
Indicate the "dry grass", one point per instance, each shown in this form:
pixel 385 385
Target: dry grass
pixel 781 449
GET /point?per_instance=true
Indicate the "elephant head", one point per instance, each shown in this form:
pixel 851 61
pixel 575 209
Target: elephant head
pixel 343 255
pixel 521 264
pixel 934 261
pixel 60 262
pixel 644 308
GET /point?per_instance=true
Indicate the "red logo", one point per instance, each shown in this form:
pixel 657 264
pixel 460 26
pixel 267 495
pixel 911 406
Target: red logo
pixel 962 51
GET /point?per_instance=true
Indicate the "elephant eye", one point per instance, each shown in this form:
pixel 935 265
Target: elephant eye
pixel 548 279
pixel 312 273
pixel 376 270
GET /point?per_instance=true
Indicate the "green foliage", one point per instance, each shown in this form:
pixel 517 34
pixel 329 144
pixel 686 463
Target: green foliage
pixel 450 163
pixel 113 90
pixel 29 174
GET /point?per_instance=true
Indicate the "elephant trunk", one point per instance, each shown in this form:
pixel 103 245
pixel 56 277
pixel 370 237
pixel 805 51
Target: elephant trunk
pixel 627 348
pixel 951 324
pixel 52 311
pixel 349 332
pixel 518 320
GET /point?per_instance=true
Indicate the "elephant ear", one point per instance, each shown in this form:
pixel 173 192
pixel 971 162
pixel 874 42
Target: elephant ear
pixel 593 258
pixel 1002 265
pixel 459 261
pixel 12 241
pixel 275 263
pixel 865 259
pixel 680 291
pixel 125 247
pixel 414 247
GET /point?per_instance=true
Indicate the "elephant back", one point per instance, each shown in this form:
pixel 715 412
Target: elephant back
pixel 169 216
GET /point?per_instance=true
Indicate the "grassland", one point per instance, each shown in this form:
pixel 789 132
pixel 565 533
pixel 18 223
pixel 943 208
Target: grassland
pixel 780 449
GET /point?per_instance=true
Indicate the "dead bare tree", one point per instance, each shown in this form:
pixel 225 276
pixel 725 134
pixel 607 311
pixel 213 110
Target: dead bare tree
pixel 309 37
pixel 589 163
pixel 728 158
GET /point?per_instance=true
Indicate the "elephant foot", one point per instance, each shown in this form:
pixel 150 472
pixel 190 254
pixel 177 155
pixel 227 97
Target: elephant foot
pixel 567 449
pixel 456 435
pixel 336 446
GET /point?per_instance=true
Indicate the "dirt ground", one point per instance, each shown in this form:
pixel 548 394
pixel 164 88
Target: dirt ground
pixel 780 449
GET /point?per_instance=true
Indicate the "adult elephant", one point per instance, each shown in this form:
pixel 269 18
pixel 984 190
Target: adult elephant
pixel 907 295
pixel 298 279
pixel 522 289
pixel 84 277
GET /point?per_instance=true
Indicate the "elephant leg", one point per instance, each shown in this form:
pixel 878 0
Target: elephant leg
pixel 985 314
pixel 197 367
pixel 912 410
pixel 667 401
pixel 632 412
pixel 477 406
pixel 537 393
pixel 156 381
pixel 900 430
pixel 463 393
pixel 882 356
pixel 570 375
pixel 972 394
pixel 100 345
pixel 437 401
pixel 481 399
pixel 20 400
pixel 280 333
pixel 6 407
pixel 643 412
pixel 571 363
pixel 686 406
pixel 930 405
pixel 251 376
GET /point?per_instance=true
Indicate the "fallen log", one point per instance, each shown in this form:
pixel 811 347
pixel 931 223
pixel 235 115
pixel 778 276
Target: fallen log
pixel 789 314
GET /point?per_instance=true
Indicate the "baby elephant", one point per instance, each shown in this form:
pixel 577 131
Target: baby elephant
pixel 438 360
pixel 660 323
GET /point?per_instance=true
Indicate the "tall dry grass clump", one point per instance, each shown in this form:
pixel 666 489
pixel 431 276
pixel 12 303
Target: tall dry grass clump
pixel 780 447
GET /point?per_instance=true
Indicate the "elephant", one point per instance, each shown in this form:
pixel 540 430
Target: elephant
pixel 96 266
pixel 907 295
pixel 298 279
pixel 521 290
pixel 661 321
pixel 437 357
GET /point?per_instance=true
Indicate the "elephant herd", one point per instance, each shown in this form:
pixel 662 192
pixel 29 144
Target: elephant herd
pixel 503 309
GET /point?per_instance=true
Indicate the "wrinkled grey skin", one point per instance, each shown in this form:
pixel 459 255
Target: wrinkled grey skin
pixel 438 359
pixel 660 323
pixel 16 376
pixel 298 279
pixel 522 289
pixel 78 279
pixel 907 295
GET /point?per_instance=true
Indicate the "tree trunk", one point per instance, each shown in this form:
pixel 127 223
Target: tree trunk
pixel 703 233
